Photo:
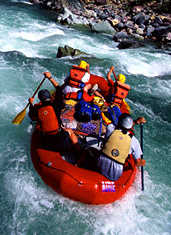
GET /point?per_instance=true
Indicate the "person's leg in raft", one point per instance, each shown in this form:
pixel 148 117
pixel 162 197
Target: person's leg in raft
pixel 81 159
pixel 74 139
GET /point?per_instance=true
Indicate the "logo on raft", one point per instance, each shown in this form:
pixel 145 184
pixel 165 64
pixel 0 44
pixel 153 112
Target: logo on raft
pixel 108 187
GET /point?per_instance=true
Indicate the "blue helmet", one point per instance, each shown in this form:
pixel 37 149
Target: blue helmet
pixel 44 95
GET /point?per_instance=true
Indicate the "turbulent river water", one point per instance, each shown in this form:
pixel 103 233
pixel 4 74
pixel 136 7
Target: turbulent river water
pixel 28 46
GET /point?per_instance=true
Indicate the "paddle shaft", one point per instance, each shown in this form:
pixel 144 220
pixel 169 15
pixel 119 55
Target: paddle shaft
pixel 142 170
pixel 39 87
pixel 114 74
pixel 37 90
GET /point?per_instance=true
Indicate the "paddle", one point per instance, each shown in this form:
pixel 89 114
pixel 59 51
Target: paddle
pixel 19 118
pixel 142 170
pixel 114 74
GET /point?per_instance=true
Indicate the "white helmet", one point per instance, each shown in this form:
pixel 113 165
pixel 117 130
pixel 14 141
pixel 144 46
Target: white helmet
pixel 125 121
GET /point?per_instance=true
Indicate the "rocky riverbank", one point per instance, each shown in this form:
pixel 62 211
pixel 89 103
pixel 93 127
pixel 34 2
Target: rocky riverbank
pixel 125 20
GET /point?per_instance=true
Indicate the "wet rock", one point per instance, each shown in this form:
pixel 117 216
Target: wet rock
pixel 150 30
pixel 168 36
pixel 130 24
pixel 130 44
pixel 103 27
pixel 35 1
pixel 102 2
pixel 89 13
pixel 142 19
pixel 69 51
pixel 139 31
pixel 120 36
pixel 165 47
pixel 115 22
pixel 137 37
pixel 157 22
pixel 135 17
pixel 129 31
pixel 160 32
pixel 103 16
pixel 121 26
pixel 137 9
pixel 67 17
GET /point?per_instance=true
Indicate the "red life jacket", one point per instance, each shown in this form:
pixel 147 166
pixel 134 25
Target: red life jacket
pixel 76 77
pixel 48 120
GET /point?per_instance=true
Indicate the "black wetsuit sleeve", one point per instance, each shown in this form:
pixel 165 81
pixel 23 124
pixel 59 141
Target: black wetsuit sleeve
pixel 33 112
pixel 58 102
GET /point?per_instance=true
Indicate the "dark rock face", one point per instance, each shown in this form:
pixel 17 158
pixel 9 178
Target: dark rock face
pixel 130 44
pixel 101 2
pixel 161 33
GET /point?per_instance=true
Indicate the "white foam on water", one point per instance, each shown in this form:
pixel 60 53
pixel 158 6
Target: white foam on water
pixel 147 64
pixel 37 32
pixel 132 214
pixel 26 36
pixel 25 2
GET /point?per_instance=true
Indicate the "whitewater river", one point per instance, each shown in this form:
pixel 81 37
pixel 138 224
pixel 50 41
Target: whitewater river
pixel 29 39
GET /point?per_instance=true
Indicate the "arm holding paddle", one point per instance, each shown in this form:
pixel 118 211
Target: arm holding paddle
pixel 54 83
pixel 44 95
pixel 49 76
pixel 19 118
pixel 109 73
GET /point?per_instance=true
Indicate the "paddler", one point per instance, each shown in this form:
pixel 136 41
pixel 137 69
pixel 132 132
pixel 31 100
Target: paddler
pixel 77 83
pixel 118 89
pixel 47 113
pixel 119 144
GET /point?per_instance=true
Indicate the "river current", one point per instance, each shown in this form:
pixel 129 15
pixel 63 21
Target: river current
pixel 29 41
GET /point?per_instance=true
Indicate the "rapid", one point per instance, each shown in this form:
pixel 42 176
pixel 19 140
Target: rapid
pixel 29 41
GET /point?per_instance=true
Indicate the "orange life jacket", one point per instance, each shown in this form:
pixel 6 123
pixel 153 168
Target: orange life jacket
pixel 79 95
pixel 118 92
pixel 76 77
pixel 48 120
pixel 122 91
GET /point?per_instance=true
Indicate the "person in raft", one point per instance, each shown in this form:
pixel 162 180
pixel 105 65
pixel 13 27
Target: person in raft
pixel 119 144
pixel 77 84
pixel 118 90
pixel 55 137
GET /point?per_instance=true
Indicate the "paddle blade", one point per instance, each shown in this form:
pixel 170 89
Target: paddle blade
pixel 19 118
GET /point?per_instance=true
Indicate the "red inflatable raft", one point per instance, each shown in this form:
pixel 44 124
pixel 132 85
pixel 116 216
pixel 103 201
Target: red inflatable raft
pixel 77 183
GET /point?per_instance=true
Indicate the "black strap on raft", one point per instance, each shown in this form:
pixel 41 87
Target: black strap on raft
pixel 114 115
pixel 100 130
